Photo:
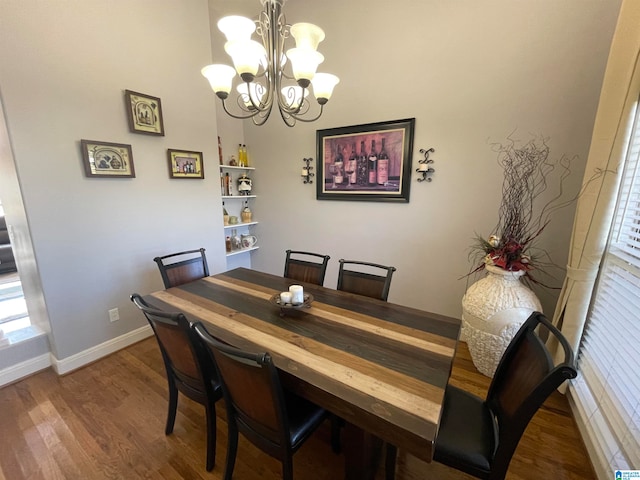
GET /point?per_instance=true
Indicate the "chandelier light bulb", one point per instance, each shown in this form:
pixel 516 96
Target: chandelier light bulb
pixel 304 62
pixel 220 78
pixel 246 56
pixel 307 35
pixel 323 85
pixel 236 27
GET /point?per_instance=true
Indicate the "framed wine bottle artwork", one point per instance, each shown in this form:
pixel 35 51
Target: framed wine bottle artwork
pixel 369 162
pixel 185 164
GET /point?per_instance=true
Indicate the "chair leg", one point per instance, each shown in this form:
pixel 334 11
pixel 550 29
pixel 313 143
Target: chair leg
pixel 211 436
pixel 390 462
pixel 232 449
pixel 336 425
pixel 173 406
pixel 287 468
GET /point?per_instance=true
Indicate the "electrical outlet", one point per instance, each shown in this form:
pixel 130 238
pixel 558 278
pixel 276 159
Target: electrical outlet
pixel 114 315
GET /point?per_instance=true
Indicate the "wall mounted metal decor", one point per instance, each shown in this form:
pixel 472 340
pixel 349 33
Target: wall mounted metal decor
pixel 306 171
pixel 424 165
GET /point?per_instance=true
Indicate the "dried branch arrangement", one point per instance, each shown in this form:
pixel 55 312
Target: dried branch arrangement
pixel 527 169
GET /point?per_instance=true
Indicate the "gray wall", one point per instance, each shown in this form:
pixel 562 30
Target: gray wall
pixel 470 72
pixel 65 66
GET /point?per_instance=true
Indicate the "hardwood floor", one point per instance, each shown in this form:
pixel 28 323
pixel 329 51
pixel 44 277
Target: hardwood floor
pixel 106 421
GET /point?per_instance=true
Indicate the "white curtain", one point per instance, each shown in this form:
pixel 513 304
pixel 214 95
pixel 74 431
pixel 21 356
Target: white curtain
pixel 611 133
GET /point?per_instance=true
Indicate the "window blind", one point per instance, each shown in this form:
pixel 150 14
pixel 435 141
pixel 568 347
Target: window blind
pixel 607 390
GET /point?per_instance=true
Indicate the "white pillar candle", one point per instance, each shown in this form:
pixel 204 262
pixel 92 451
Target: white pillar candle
pixel 297 294
pixel 305 172
pixel 285 297
pixel 423 167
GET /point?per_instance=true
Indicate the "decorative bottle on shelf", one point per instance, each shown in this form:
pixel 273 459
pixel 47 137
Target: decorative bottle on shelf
pixel 245 158
pixel 235 240
pixel 246 213
pixel 361 176
pixel 227 184
pixel 240 156
pixel 383 165
pixel 225 214
pixel 372 164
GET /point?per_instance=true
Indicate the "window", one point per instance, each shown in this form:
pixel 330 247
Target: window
pixel 607 390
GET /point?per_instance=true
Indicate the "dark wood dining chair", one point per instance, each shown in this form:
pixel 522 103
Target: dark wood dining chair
pixel 182 267
pixel 479 436
pixel 273 419
pixel 301 266
pixel 362 281
pixel 188 366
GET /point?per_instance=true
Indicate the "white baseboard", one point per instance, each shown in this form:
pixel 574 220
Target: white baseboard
pixel 92 354
pixel 24 369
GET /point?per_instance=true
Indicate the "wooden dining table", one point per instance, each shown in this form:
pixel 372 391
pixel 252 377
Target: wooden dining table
pixel 381 367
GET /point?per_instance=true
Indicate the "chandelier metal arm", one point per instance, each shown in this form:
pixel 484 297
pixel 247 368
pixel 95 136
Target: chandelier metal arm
pixel 239 117
pixel 303 119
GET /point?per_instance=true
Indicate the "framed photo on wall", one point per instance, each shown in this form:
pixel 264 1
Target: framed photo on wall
pixel 105 159
pixel 144 113
pixel 370 162
pixel 185 164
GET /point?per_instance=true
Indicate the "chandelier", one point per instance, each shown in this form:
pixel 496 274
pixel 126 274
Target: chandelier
pixel 261 67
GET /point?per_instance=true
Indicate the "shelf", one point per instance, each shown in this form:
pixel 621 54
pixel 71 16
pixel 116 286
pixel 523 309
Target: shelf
pixel 238 252
pixel 240 225
pixel 230 167
pixel 238 196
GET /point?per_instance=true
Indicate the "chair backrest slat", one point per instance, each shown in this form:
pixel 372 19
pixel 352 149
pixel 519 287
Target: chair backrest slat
pixel 177 270
pixel 365 283
pixel 305 269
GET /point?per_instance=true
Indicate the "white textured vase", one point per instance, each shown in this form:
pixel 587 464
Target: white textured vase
pixel 493 309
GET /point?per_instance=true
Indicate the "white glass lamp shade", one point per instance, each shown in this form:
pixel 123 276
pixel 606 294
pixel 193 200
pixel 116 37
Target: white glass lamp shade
pixel 293 95
pixel 236 27
pixel 323 85
pixel 304 62
pixel 257 92
pixel 220 77
pixel 246 55
pixel 307 35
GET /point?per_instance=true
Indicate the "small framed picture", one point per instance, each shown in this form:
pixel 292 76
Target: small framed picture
pixel 105 159
pixel 144 113
pixel 185 164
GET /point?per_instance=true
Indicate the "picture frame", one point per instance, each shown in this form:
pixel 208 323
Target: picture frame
pixel 343 174
pixel 107 159
pixel 144 113
pixel 185 164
